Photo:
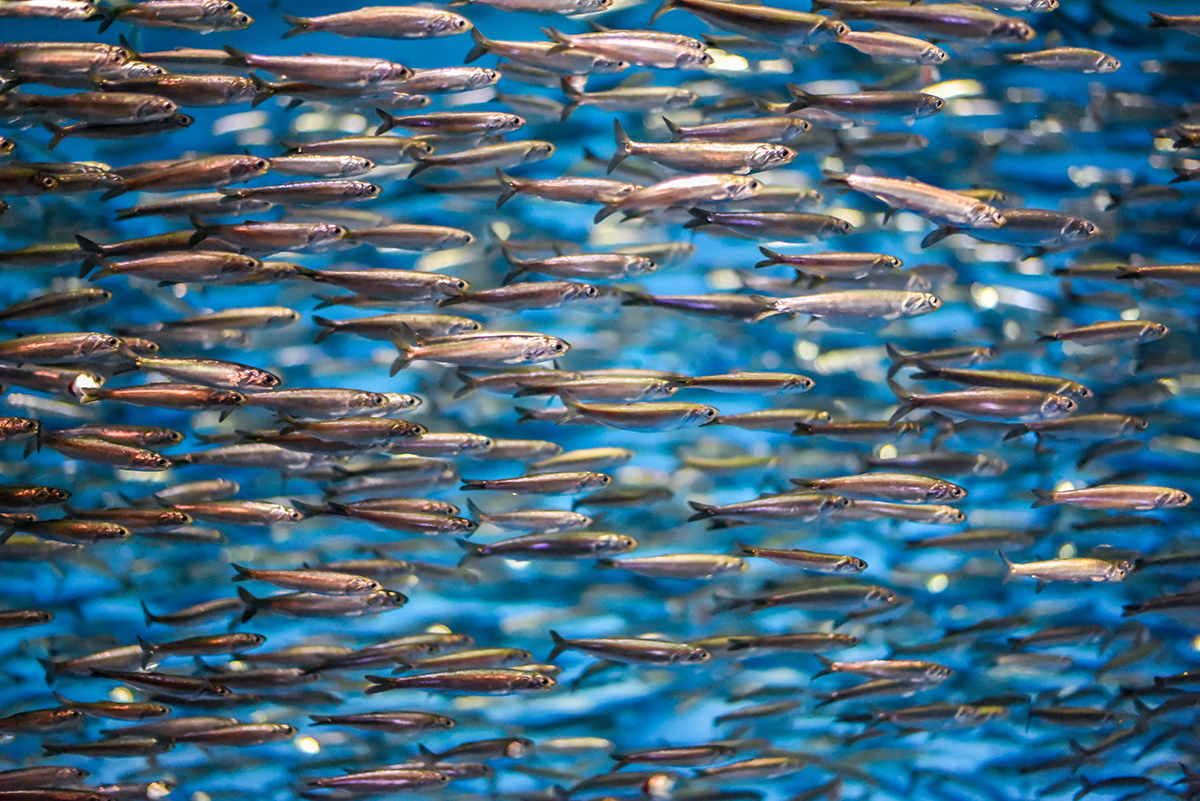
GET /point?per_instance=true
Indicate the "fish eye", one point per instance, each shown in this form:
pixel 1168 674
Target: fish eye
pixel 460 23
pixel 591 292
pixel 604 480
pixel 378 400
pixel 261 164
pixel 710 413
pixel 183 120
pixel 459 284
pixel 162 461
pixel 47 181
pixel 755 185
pixel 557 347
pixel 372 190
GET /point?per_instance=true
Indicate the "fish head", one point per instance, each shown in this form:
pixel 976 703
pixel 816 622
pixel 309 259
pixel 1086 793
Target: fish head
pixel 466 327
pixel 693 60
pixel 918 303
pixel 174 517
pixel 156 108
pixel 460 525
pixel 930 104
pixel 1152 331
pixel 363 189
pixel 518 747
pixel 1078 229
pixel 640 265
pixel 578 291
pixel 387 599
pixel 702 414
pixel 249 168
pixel 539 150
pixel 536 681
pixel 368 400
pixel 933 56
pixel 849 564
pixel 484 77
pixel 1107 63
pixel 1015 30
pixel 616 543
pixel 417 148
pixel 361 585
pixel 944 490
pixel 590 6
pixel 442 722
pixel 740 187
pixel 290 515
pixel 990 466
pixel 948 514
pixel 149 460
pixel 1056 406
pixel 828 30
pixel 681 98
pixel 134 70
pixel 767 156
pixel 448 23
pixel 1042 5
pixel 938 673
pixel 225 397
pixel 800 383
pixel 544 348
pixel 882 595
pixel 694 656
pixel 255 640
pixel 835 502
pixel 984 216
pixel 822 417
pixel 51 495
pixel 596 480
pixel 1172 499
pixel 452 287
pixel 1133 425
pixel 356 165
pixel 659 785
pixel 1115 571
pixel 507 122
pixel 100 343
pixel 1076 389
pixel 601 66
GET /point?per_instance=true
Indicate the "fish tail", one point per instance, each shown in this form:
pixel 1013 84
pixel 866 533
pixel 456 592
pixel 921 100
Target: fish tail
pixel 473 550
pixel 51 670
pixel 243 573
pixel 700 218
pixel 1015 433
pixel 801 98
pixel 742 549
pixel 58 131
pixel 114 192
pixel 387 124
pixel 937 235
pixel 900 413
pixel 469 383
pixel 704 511
pixel 471 484
pixel 229 195
pixel 516 267
pixel 251 603
pixel 827 666
pixel 107 17
pixel 624 146
pixel 380 685
pixel 1007 566
pixel 676 132
pixel 604 213
pixel 481 47
pixel 666 6
pixel 328 328
pixel 1158 20
pixel 561 40
pixel 475 511
pixel 263 90
pixel 607 564
pixel 773 257
pixel 560 645
pixel 510 187
pixel 151 618
pixel 240 58
pixel 125 43
pixel 320 720
pixel 338 508
pixel 631 298
pixel 299 25
pixel 202 231
pixel 427 756
pixel 1044 497
pixel 574 409
pixel 147 652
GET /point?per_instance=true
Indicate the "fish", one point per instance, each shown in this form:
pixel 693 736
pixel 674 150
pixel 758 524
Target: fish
pixel 382 22
pixel 705 157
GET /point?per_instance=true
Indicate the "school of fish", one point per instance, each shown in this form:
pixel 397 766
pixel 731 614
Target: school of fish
pixel 560 400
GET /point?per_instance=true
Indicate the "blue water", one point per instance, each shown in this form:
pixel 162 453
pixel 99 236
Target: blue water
pixel 1058 141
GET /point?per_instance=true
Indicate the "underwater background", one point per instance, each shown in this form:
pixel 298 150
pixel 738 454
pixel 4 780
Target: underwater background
pixel 1049 690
